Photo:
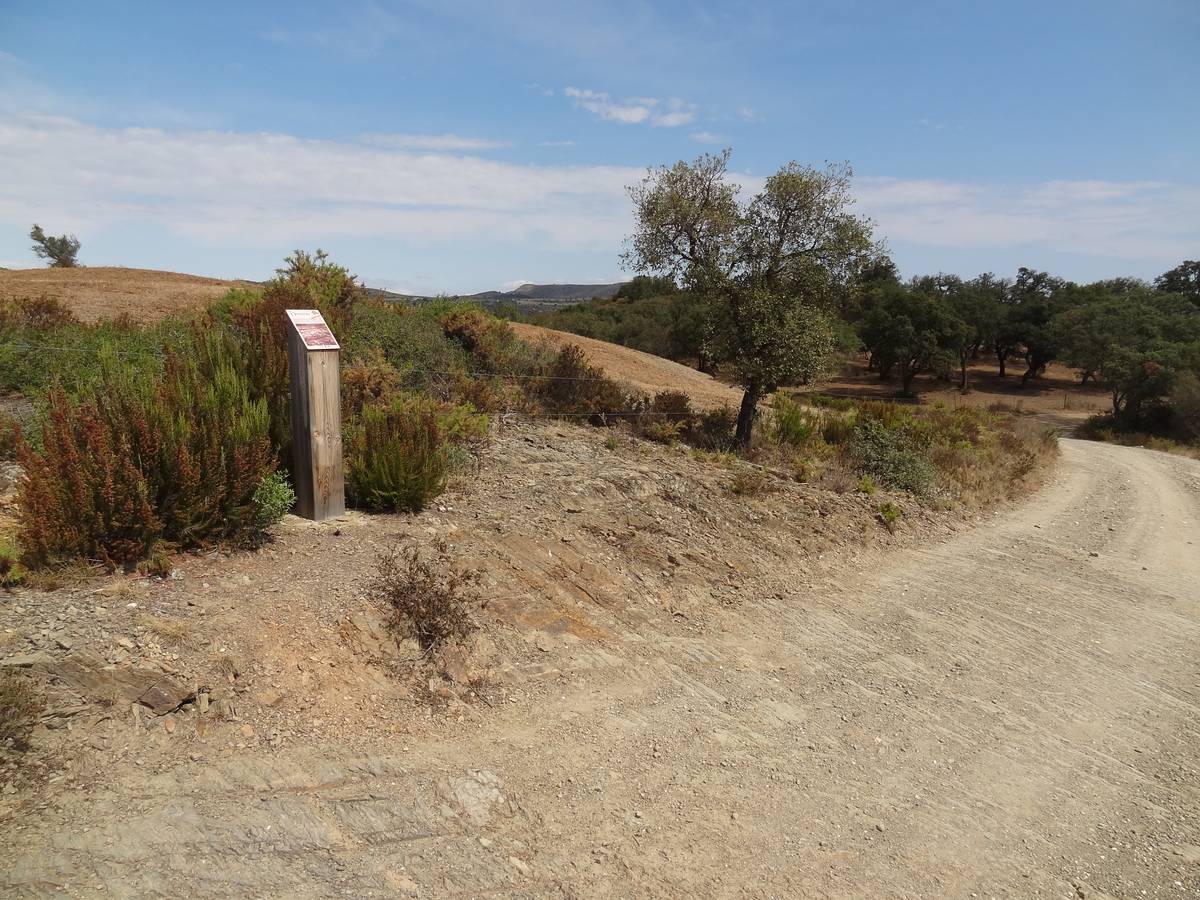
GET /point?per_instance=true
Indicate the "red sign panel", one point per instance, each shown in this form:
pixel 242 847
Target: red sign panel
pixel 312 329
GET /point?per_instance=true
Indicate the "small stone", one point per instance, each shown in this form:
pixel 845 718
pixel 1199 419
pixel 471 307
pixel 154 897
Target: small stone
pixel 248 731
pixel 519 865
pixel 169 724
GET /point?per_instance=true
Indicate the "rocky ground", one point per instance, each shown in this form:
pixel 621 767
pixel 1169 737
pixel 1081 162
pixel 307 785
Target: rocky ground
pixel 674 691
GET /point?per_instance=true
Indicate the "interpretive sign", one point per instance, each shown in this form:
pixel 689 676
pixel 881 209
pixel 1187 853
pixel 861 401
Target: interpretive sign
pixel 310 324
pixel 316 416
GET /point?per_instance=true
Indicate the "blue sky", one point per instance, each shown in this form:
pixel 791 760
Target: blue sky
pixel 440 146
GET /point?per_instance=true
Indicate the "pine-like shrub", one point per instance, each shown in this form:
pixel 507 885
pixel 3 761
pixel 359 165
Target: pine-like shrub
pixel 398 456
pixel 146 460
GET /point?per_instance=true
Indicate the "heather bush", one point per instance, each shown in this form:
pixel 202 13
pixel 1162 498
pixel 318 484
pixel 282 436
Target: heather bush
pixel 398 456
pixel 571 386
pixel 146 459
pixel 429 599
pixel 370 381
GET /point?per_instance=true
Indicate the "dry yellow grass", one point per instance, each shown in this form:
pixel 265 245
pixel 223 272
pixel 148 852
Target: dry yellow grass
pixel 105 292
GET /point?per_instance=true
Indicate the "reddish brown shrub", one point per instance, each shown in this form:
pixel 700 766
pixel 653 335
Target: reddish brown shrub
pixel 146 460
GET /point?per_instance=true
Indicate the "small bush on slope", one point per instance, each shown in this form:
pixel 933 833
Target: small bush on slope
pixel 428 599
pixel 398 456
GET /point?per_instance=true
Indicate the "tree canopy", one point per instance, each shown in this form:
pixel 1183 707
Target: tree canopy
pixel 60 251
pixel 768 269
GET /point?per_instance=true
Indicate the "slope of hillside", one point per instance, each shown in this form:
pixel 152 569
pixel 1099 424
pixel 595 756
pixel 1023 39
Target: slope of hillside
pixel 646 371
pixel 102 292
pixel 679 692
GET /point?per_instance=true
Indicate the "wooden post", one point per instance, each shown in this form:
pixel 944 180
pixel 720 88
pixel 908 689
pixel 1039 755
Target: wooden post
pixel 316 416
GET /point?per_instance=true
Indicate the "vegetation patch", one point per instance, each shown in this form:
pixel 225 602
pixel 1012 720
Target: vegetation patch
pixel 429 599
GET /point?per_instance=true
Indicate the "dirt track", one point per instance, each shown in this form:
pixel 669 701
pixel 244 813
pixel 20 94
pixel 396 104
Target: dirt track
pixel 1010 712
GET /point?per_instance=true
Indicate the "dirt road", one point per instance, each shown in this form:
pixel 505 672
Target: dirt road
pixel 1011 712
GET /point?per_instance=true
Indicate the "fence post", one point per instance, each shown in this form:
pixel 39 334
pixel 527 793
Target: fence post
pixel 316 416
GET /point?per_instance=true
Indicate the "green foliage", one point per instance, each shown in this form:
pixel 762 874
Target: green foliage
pixel 1184 280
pixel 670 325
pixel 715 430
pixel 12 573
pixel 889 514
pixel 866 485
pixel 792 423
pixel 890 457
pixel 914 329
pixel 571 386
pixel 61 252
pixel 273 499
pixel 1185 408
pixel 643 286
pixel 398 456
pixel 766 267
pixel 429 599
pixel 10 434
pixel 147 458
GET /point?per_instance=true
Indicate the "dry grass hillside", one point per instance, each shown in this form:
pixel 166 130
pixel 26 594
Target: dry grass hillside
pixel 103 292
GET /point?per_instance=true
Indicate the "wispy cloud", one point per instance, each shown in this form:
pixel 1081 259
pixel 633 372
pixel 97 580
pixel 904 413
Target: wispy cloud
pixel 706 137
pixel 748 114
pixel 633 110
pixel 556 143
pixel 430 142
pixel 226 191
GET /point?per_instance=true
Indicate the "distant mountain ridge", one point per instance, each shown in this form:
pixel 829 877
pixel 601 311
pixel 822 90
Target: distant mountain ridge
pixel 550 292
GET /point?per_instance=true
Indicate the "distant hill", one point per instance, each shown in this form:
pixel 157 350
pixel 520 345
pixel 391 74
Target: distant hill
pixel 551 292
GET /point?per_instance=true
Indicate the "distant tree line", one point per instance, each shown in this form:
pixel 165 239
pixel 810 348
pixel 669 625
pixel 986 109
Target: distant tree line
pixel 1141 341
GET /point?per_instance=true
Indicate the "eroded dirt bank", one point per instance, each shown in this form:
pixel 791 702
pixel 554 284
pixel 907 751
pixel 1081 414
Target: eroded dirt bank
pixel 1010 711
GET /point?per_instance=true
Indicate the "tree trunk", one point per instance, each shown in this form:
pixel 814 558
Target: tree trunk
pixel 1001 356
pixel 962 372
pixel 745 421
pixel 907 374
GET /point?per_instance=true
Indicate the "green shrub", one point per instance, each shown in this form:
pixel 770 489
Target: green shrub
pixel 715 430
pixel 11 573
pixel 866 485
pixel 273 498
pixel 889 515
pixel 1185 407
pixel 145 459
pixel 837 431
pixel 792 424
pixel 571 386
pixel 890 457
pixel 398 456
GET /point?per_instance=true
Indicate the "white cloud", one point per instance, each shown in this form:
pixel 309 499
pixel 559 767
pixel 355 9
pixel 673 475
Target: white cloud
pixel 633 110
pixel 748 114
pixel 556 143
pixel 262 189
pixel 706 137
pixel 430 142
pixel 1145 221
pixel 225 191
